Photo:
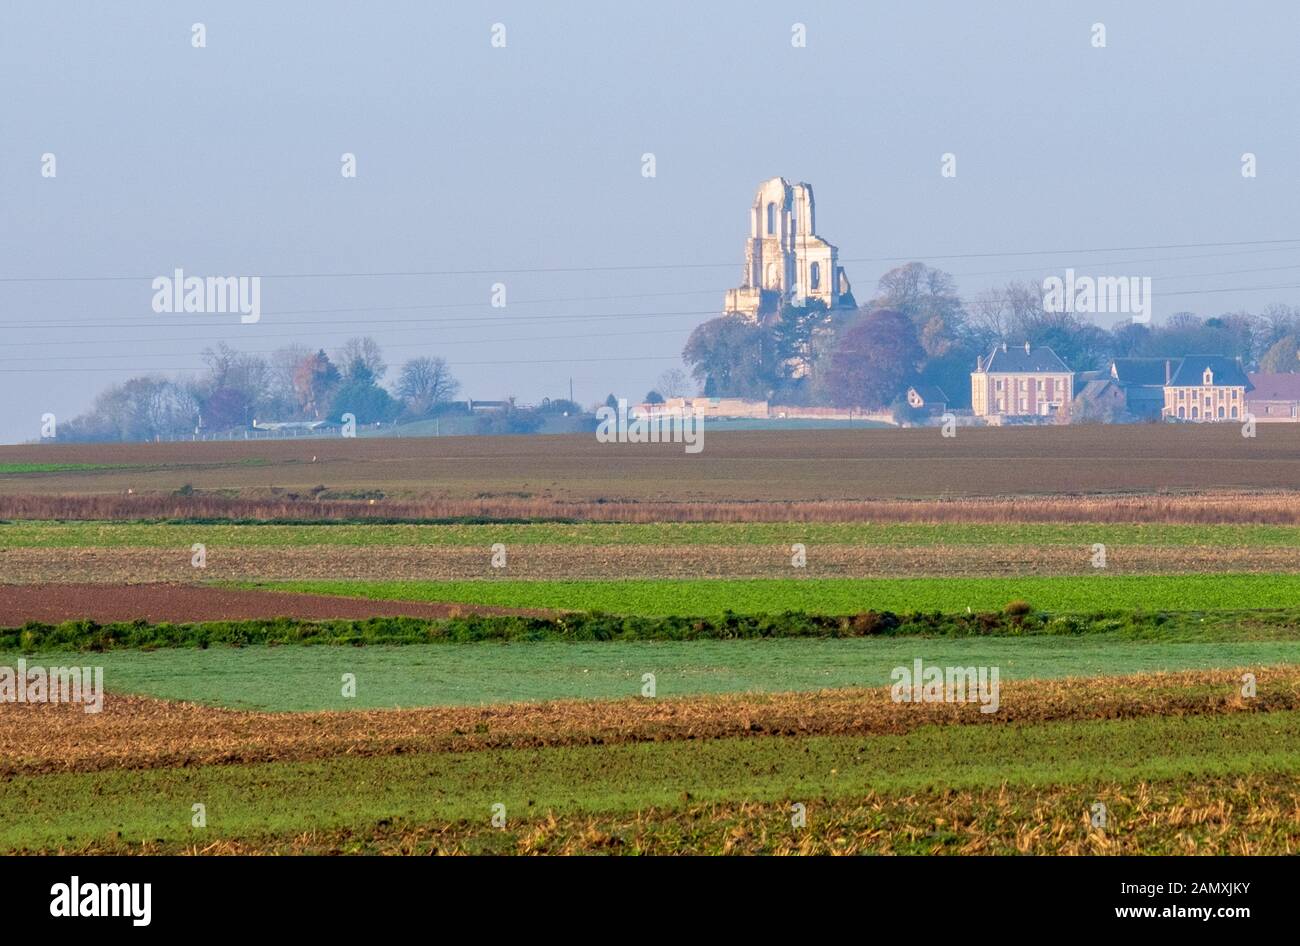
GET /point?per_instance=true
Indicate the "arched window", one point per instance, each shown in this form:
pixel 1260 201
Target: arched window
pixel 771 218
pixel 1195 412
pixel 1221 414
pixel 1182 412
pixel 816 275
pixel 1234 410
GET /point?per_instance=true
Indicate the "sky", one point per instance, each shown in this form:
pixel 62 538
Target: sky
pixel 480 164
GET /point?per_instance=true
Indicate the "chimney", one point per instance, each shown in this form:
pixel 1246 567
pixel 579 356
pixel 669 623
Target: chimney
pixel 1026 346
pixel 1168 373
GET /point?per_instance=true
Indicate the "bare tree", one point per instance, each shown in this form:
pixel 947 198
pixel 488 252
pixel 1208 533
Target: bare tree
pixel 362 351
pixel 284 367
pixel 425 382
pixel 990 313
pixel 673 383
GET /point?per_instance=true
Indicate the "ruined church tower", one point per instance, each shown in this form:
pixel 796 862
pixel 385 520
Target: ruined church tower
pixel 785 260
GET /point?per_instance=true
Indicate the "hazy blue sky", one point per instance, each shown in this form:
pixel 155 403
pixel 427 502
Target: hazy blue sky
pixel 226 161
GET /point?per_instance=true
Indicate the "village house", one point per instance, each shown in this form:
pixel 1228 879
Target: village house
pixel 1206 389
pixel 1021 382
pixel 1100 398
pixel 1275 398
pixel 1143 382
pixel 928 398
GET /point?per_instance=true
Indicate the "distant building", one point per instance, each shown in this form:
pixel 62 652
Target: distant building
pixel 294 426
pixel 1099 398
pixel 1143 382
pixel 785 259
pixel 926 397
pixel 704 406
pixel 1206 389
pixel 1275 398
pixel 1022 382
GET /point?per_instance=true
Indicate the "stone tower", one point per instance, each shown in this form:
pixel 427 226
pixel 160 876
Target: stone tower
pixel 785 259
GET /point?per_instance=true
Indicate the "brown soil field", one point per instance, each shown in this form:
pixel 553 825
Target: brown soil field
pixel 745 466
pixel 1269 507
pixel 54 603
pixel 429 563
pixel 1245 815
pixel 136 732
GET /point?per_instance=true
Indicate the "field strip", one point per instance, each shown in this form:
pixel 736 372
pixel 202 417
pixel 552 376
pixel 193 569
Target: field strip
pixel 786 506
pixel 56 603
pixel 40 812
pixel 580 562
pixel 137 732
pixel 675 535
pixel 295 678
pixel 1077 594
pixel 1241 815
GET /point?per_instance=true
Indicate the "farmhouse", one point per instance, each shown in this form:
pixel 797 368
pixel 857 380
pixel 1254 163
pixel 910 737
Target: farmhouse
pixel 1099 398
pixel 1275 398
pixel 927 397
pixel 1206 389
pixel 1021 382
pixel 1143 382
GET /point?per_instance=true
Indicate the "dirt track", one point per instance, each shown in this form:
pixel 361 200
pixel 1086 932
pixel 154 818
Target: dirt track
pixel 54 603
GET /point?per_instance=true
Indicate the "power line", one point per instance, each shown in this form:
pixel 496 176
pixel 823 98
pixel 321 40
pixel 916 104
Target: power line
pixel 103 322
pixel 358 326
pixel 457 364
pixel 271 351
pixel 323 327
pixel 634 267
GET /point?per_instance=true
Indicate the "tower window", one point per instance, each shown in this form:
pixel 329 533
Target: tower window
pixel 771 218
pixel 815 274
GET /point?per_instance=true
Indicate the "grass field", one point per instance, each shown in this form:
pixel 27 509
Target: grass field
pixel 295 678
pixel 107 809
pixel 1083 594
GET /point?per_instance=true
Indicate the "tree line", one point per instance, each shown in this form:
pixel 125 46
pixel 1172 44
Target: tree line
pixel 918 330
pixel 293 384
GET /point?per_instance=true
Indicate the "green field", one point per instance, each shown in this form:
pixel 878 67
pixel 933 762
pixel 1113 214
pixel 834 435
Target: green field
pixel 29 534
pixel 1063 594
pixel 19 468
pixel 155 805
pixel 297 678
